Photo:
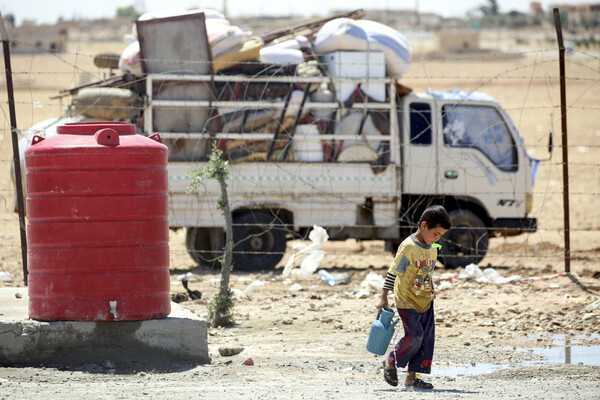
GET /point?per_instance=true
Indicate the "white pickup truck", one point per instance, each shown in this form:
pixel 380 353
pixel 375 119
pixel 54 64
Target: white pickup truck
pixel 364 179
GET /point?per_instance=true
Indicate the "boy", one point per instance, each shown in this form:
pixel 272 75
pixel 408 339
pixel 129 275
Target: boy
pixel 409 276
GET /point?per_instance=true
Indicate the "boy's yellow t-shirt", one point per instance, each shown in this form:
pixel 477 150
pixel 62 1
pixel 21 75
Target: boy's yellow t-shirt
pixel 413 267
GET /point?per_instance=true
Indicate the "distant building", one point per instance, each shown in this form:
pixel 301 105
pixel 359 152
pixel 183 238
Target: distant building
pixel 31 38
pixel 458 41
pixel 405 19
pixel 535 8
pixel 586 14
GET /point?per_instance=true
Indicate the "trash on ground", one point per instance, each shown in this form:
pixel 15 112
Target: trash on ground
pixel 179 297
pixel 313 253
pixel 343 278
pixel 443 286
pixel 230 351
pixel 5 276
pixel 594 306
pixel 327 277
pixel 192 294
pixel 362 294
pixel 250 289
pixel 373 282
pixel 296 287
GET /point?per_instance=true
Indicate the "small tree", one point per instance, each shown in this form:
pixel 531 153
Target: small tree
pixel 128 11
pixel 220 309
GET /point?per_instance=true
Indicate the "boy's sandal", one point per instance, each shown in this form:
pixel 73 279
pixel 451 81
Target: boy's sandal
pixel 390 374
pixel 420 384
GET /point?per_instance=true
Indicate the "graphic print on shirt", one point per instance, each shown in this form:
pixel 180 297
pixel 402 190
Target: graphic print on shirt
pixel 424 270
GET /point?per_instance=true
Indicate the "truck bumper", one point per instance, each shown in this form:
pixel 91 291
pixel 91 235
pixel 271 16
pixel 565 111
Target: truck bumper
pixel 514 226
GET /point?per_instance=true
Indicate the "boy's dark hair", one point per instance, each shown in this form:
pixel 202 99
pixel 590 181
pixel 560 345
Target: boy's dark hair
pixel 435 216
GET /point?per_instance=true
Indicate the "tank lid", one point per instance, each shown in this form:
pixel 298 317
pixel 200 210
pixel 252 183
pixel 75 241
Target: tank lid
pixel 90 128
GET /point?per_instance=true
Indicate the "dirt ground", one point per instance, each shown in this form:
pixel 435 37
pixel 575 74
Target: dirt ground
pixel 307 339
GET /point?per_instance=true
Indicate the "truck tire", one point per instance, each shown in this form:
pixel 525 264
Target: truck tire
pixel 466 242
pixel 205 246
pixel 259 241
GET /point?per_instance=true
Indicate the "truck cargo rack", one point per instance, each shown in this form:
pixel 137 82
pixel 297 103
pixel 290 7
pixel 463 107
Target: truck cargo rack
pixel 245 105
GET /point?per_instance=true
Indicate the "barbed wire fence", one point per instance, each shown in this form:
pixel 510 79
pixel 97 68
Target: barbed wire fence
pixel 526 85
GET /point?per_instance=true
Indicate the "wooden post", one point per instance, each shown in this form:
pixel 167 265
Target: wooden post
pixel 15 145
pixel 565 147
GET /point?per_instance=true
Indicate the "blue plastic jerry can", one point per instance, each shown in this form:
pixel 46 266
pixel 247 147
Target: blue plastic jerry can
pixel 382 330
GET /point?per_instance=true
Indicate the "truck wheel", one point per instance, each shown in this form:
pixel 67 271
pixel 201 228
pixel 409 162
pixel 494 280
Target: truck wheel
pixel 466 242
pixel 205 246
pixel 259 241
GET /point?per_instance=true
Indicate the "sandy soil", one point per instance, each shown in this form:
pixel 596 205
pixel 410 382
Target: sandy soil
pixel 310 343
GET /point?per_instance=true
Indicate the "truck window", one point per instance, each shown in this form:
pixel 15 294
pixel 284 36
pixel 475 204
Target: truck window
pixel 482 128
pixel 420 123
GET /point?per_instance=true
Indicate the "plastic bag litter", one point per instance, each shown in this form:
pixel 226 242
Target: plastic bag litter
pixel 237 293
pixel 313 253
pixel 443 286
pixel 373 282
pixel 5 276
pixel 489 275
pixel 594 306
pixel 296 287
pixel 250 289
pixel 471 271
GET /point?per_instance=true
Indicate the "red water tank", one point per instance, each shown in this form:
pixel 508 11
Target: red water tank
pixel 97 228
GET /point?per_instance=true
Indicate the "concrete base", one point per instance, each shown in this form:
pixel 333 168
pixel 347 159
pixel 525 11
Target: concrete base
pixel 164 344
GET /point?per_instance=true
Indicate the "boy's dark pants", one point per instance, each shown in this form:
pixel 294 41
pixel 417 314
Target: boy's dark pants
pixel 416 347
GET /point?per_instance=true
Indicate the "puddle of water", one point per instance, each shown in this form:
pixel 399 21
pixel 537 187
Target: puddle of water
pixel 468 370
pixel 563 353
pixel 560 339
pixel 585 355
pixel 568 350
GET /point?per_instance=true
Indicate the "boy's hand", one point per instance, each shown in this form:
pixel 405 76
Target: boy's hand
pixel 383 303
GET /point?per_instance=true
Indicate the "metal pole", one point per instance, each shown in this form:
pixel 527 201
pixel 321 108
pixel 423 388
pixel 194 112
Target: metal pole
pixel 15 145
pixel 565 149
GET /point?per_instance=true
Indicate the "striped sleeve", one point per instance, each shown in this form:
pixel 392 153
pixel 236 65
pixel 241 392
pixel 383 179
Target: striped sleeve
pixel 389 281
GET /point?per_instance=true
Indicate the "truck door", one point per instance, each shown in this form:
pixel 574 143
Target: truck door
pixel 478 158
pixel 418 148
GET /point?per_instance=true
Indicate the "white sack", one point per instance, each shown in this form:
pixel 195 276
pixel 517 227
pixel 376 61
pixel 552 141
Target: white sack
pixel 130 61
pixel 275 55
pixel 364 35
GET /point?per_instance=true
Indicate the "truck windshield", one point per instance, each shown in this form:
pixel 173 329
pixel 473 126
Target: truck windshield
pixel 481 128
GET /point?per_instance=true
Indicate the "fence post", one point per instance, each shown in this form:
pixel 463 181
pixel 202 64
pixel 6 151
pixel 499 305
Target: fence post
pixel 565 149
pixel 15 145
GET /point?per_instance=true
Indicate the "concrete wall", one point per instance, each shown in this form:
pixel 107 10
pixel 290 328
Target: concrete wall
pixel 459 41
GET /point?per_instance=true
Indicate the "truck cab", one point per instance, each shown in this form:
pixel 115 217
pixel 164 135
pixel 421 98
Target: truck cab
pixel 462 150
